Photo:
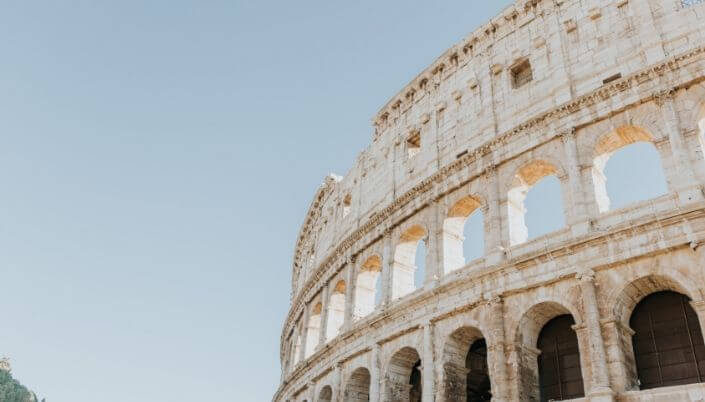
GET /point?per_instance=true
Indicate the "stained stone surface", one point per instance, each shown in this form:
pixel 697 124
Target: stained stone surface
pixel 474 132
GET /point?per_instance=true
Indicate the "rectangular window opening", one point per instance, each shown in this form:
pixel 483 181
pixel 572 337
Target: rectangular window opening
pixel 521 74
pixel 413 144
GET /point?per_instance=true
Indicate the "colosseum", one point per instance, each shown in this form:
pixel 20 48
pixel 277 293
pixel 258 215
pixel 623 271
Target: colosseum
pixel 611 307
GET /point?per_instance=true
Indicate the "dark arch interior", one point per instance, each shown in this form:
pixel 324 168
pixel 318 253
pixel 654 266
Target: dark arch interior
pixel 667 341
pixel 478 377
pixel 415 381
pixel 560 376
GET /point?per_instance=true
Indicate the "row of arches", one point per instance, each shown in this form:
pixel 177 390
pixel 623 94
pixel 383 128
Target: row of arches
pixel 463 229
pixel 535 199
pixel 667 346
pixel 632 157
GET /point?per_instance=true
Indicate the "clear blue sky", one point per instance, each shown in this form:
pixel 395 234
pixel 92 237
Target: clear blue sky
pixel 156 161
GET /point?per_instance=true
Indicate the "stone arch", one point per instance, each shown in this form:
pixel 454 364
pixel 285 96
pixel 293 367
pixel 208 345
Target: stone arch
pixel 313 329
pixel 607 145
pixel 461 374
pixel 453 226
pixel 642 279
pixel 326 394
pixel 366 296
pixel 524 178
pixel 357 388
pixel 404 266
pixel 403 376
pixel 336 310
pixel 526 338
pixel 624 300
pixel 667 341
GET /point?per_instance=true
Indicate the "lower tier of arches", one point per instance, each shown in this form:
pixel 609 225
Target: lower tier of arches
pixel 629 332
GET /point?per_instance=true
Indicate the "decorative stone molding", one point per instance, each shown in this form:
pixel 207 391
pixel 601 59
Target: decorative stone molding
pixel 592 256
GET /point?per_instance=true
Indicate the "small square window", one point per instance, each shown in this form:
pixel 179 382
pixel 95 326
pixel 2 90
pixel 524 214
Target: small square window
pixel 347 204
pixel 521 74
pixel 413 144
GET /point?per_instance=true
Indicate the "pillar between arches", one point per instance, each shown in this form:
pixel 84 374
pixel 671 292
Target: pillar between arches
pixel 496 356
pixel 427 365
pixel 493 230
pixel 599 387
pixel 304 335
pixel 324 316
pixel 350 285
pixel 375 379
pixel 681 174
pixel 578 216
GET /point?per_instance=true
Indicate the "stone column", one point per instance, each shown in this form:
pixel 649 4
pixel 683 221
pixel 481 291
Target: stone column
pixel 497 360
pixel 579 221
pixel 387 263
pixel 600 384
pixel 311 391
pixel 427 365
pixel 350 279
pixel 304 335
pixel 434 247
pixel 325 311
pixel 338 381
pixel 682 174
pixel 494 249
pixel 375 377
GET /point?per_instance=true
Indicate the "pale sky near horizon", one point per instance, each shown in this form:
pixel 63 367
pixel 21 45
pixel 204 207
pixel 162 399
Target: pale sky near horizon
pixel 156 162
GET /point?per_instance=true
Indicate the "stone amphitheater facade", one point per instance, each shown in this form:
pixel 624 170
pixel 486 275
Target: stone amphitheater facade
pixel 547 88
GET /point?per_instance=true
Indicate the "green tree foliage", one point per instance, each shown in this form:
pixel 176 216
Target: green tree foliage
pixel 13 391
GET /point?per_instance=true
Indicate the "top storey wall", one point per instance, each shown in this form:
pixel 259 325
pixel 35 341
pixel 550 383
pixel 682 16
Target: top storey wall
pixel 469 97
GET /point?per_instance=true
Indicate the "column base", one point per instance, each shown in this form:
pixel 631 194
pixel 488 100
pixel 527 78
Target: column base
pixel 601 394
pixel 495 257
pixel 581 227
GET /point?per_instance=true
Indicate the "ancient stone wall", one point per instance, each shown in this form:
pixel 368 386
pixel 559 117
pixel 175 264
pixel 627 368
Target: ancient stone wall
pixel 547 88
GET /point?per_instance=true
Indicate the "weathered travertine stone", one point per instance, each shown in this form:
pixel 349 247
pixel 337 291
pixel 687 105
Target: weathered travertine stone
pixel 549 87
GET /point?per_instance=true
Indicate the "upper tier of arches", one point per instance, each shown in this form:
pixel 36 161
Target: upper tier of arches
pixel 395 230
pixel 466 106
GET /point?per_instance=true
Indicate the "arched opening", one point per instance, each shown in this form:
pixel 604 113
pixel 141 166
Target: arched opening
pixel 326 394
pixel 626 168
pixel 409 267
pixel 358 386
pixel 535 353
pixel 314 329
pixel 463 234
pixel 667 341
pixel 366 290
pixel 534 198
pixel 465 371
pixel 336 310
pixel 404 377
pixel 560 375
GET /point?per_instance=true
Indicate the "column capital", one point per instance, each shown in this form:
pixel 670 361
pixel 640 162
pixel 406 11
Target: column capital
pixel 568 134
pixel 586 275
pixel 664 95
